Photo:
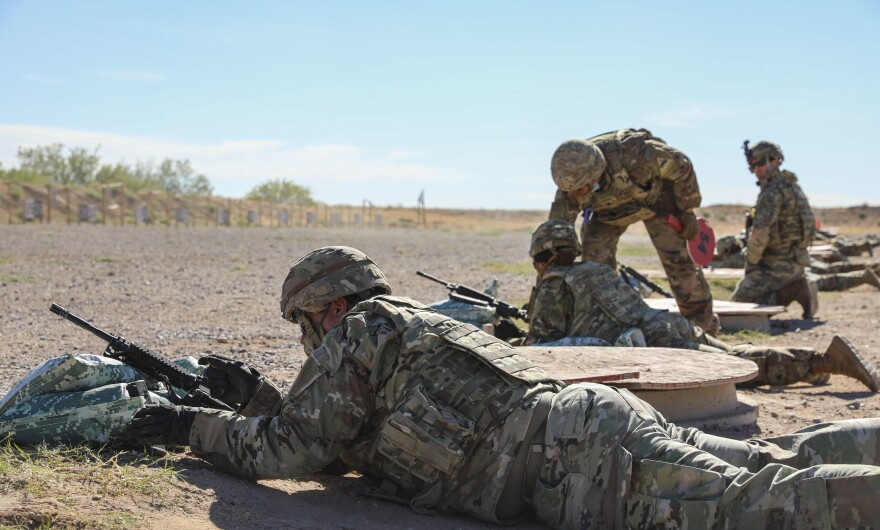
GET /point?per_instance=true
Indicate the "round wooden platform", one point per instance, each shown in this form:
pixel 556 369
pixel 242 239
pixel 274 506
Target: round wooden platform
pixel 688 387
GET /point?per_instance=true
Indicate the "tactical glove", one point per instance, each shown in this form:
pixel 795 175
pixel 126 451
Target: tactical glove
pixel 163 424
pixel 689 226
pixel 232 382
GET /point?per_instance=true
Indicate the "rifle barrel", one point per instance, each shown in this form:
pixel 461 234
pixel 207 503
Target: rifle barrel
pixel 88 326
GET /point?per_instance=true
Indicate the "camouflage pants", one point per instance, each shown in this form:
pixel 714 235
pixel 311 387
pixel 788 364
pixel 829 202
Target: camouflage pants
pixel 837 442
pixel 776 366
pixel 612 461
pixel 760 283
pixel 689 287
pixel 838 282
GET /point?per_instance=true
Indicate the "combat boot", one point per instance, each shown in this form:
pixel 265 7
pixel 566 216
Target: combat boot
pixel 802 291
pixel 842 358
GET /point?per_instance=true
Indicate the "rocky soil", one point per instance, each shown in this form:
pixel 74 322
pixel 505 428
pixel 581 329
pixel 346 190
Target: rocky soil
pixel 192 291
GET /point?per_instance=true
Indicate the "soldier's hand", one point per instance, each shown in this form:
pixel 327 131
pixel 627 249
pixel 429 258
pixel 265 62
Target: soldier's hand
pixel 163 424
pixel 689 226
pixel 230 381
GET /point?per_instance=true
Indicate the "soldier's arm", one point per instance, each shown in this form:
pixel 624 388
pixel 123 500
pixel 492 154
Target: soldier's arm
pixel 674 166
pixel 564 207
pixel 766 213
pixel 321 415
pixel 549 318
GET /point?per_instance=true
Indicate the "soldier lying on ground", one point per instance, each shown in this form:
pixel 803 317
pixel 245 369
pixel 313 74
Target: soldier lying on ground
pixel 446 417
pixel 590 300
pixel 626 176
pixel 838 276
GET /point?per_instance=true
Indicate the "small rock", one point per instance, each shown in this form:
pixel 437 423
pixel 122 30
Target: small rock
pixel 789 407
pixel 774 415
pixel 817 420
pixel 854 406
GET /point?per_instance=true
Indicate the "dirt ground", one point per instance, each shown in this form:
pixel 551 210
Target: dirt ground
pixel 193 291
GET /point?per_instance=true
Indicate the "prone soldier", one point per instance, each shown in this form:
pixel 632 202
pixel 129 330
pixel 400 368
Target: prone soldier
pixel 588 300
pixel 449 418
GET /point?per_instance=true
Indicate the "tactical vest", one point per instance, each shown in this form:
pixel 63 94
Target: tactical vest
pixel 628 186
pixel 604 306
pixel 795 225
pixel 451 385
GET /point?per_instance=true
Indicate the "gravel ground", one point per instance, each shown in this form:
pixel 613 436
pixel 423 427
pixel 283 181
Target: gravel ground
pixel 191 291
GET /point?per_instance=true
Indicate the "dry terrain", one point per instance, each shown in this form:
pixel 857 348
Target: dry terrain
pixel 197 290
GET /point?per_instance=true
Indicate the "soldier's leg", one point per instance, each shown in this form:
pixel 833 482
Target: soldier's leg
pixel 610 462
pixel 761 282
pixel 599 242
pixel 847 280
pixel 776 366
pixel 686 280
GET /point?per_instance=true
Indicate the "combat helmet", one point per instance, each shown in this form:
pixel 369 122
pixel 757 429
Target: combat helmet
pixel 762 150
pixel 575 164
pixel 554 234
pixel 324 275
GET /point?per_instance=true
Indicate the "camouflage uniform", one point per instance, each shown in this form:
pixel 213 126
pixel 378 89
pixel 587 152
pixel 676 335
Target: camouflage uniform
pixel 451 418
pixel 644 180
pixel 590 300
pixel 782 230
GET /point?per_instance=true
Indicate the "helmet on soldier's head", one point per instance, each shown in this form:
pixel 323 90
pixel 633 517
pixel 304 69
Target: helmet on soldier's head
pixel 324 275
pixel 575 164
pixel 553 234
pixel 765 149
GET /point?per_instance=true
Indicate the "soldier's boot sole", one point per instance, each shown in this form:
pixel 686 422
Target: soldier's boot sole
pixel 871 278
pixel 846 361
pixel 819 379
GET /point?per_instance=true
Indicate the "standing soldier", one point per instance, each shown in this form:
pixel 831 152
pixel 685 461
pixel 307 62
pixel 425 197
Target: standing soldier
pixel 782 229
pixel 622 177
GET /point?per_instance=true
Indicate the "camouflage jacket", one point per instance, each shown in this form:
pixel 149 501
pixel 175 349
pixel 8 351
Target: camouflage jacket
pixel 584 300
pixel 643 177
pixel 434 408
pixel 784 225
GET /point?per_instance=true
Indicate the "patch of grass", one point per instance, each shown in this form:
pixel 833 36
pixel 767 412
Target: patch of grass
pixel 722 288
pixel 53 472
pixel 6 262
pixel 106 259
pixel 58 261
pixel 240 267
pixel 636 251
pixel 17 278
pixel 744 335
pixel 523 268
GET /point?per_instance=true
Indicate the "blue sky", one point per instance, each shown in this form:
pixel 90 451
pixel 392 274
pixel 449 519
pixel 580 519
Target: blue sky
pixel 465 100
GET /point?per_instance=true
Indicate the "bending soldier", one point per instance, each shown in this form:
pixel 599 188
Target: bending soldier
pixel 450 418
pixel 589 300
pixel 782 229
pixel 620 178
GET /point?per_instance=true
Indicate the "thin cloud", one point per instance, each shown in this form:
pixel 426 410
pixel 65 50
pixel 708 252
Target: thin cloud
pixel 42 79
pixel 401 154
pixel 689 117
pixel 132 76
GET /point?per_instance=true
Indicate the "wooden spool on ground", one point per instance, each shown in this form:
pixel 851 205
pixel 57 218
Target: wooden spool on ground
pixel 690 388
pixel 734 315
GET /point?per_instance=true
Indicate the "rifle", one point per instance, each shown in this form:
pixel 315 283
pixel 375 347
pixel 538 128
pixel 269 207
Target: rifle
pixel 626 272
pixel 469 295
pixel 150 363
